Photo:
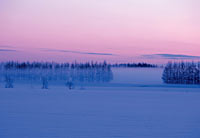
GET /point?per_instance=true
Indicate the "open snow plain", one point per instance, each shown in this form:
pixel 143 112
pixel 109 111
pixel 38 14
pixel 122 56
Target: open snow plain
pixel 119 110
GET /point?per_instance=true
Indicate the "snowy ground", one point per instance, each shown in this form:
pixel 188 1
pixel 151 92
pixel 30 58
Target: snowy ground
pixel 103 112
pixel 150 76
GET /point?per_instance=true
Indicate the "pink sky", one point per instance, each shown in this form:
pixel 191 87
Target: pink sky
pixel 127 29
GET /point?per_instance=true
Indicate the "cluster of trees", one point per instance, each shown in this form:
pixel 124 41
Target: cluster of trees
pixel 68 74
pixel 135 65
pixel 182 73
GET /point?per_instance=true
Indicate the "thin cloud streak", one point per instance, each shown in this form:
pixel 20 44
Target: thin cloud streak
pixel 170 56
pixel 78 52
pixel 7 50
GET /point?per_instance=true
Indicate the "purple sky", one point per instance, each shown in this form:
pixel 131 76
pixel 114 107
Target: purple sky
pixel 113 30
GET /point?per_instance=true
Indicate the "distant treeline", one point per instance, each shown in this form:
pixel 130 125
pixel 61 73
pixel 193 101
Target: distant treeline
pixel 53 65
pixel 86 65
pixel 182 73
pixel 134 65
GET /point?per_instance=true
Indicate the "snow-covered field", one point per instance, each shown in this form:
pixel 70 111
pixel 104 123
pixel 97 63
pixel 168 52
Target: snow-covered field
pixel 148 76
pixel 102 111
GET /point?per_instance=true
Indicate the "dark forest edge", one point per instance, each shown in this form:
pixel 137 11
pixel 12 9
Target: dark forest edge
pixel 54 65
pixel 182 73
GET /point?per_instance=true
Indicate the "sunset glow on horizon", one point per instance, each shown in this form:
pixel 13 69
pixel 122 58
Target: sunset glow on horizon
pixel 112 30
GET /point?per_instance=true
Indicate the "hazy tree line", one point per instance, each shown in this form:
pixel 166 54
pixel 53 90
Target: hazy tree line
pixel 53 65
pixel 182 73
pixel 45 72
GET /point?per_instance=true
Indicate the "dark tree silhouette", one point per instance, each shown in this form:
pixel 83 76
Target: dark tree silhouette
pixel 182 73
